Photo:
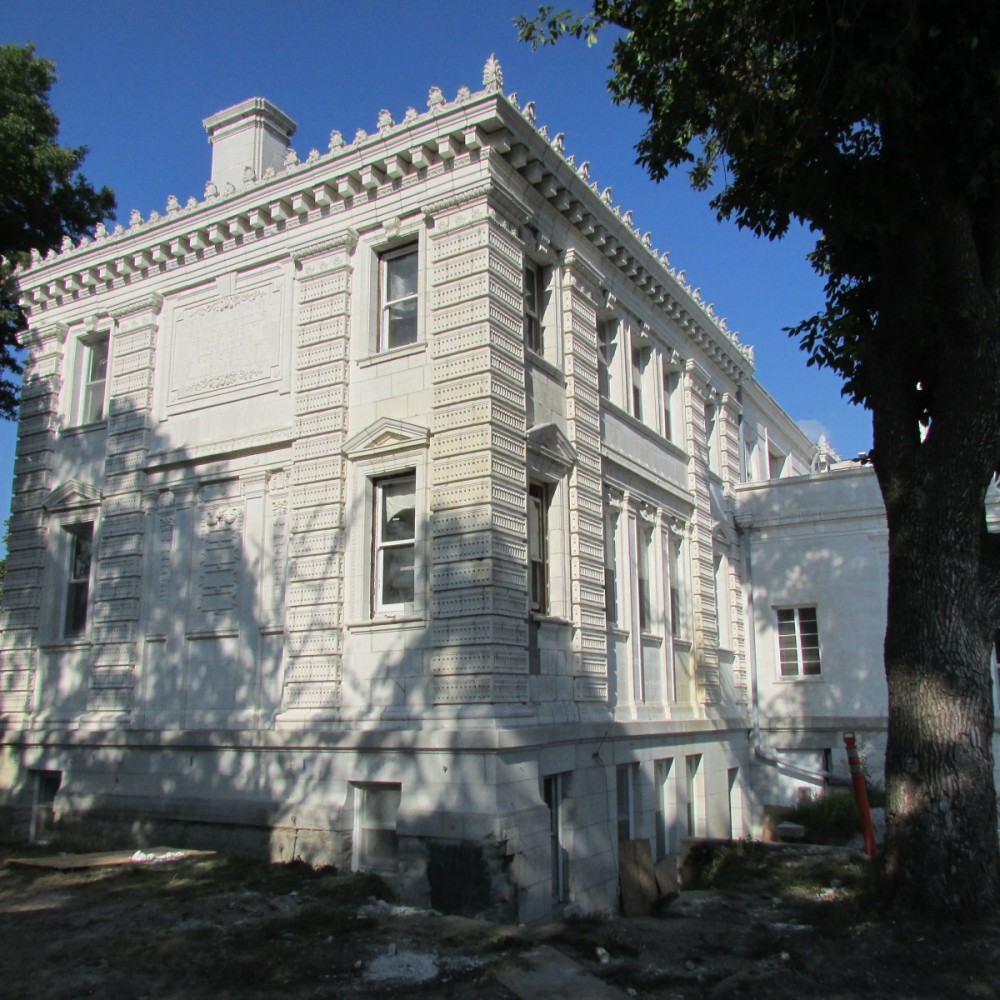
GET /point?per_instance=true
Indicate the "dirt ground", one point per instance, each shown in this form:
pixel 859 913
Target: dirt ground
pixel 778 923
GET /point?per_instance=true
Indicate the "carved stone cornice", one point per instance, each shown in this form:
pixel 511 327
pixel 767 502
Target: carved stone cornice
pixel 147 303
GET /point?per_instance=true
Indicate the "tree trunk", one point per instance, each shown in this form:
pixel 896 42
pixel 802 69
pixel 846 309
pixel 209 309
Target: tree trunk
pixel 942 853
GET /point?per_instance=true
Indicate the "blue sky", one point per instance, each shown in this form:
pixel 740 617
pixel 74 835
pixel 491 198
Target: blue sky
pixel 136 79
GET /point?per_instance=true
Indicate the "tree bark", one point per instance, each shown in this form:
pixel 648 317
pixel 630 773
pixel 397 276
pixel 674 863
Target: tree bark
pixel 942 852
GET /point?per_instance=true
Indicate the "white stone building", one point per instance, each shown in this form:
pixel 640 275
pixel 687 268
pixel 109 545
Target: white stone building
pixel 378 509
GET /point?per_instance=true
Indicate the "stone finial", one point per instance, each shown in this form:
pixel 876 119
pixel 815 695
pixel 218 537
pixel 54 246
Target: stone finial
pixel 83 242
pixel 313 156
pixel 543 131
pixel 153 217
pixel 119 230
pixel 66 245
pixel 211 191
pixel 100 231
pixel 627 217
pixel 229 189
pixel 269 174
pixel 336 141
pixel 559 142
pixel 36 255
pixel 50 254
pixel 385 121
pixel 513 100
pixel 291 159
pixel 584 171
pixel 410 116
pixel 191 204
pixel 493 75
pixel 249 175
pixel 173 205
pixel 135 218
pixel 463 94
pixel 529 113
pixel 360 136
pixel 647 240
pixel 435 98
pixel 606 196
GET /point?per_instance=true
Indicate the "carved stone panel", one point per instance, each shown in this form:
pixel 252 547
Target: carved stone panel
pixel 229 341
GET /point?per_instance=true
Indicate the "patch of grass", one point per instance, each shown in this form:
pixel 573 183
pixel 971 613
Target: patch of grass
pixel 831 818
pixel 723 866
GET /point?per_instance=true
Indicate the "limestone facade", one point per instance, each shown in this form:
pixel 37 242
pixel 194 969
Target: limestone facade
pixel 377 508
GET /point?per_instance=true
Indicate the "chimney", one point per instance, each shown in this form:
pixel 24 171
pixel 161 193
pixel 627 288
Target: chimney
pixel 252 134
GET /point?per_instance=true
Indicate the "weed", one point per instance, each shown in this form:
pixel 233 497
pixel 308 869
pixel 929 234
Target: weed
pixel 722 865
pixel 829 819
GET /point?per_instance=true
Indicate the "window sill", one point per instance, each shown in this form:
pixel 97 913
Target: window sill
pixel 97 425
pixel 397 352
pixel 651 637
pixel 544 619
pixel 801 679
pixel 651 432
pixel 387 621
pixel 57 645
pixel 538 361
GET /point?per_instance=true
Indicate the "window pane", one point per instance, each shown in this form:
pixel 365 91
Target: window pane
pixel 398 510
pixel 401 276
pixel 98 352
pixel 400 324
pixel 397 575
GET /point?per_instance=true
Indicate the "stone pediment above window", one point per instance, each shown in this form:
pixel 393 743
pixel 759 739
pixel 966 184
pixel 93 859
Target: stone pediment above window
pixel 386 436
pixel 550 453
pixel 71 496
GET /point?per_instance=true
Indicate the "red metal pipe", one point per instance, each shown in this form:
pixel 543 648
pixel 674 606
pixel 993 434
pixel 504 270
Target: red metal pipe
pixel 860 793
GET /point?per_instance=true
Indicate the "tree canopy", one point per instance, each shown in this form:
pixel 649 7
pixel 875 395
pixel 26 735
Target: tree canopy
pixel 43 196
pixel 877 125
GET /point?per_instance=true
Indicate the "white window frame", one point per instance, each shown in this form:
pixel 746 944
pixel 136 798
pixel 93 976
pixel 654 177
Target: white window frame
pixel 385 304
pixel 365 793
pixel 793 615
pixel 383 546
pixel 78 532
pixel 539 501
pixel 86 393
pixel 385 450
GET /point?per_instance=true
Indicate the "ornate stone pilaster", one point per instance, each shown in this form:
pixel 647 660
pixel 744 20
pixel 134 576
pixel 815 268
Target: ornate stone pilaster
pixel 580 291
pixel 307 508
pixel 478 459
pixel 33 472
pixel 121 533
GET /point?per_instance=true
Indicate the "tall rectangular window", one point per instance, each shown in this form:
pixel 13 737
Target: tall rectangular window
pixel 553 791
pixel 607 344
pixel 610 570
pixel 644 542
pixel 376 843
pixel 695 794
pixel 394 542
pixel 723 602
pixel 538 547
pixel 640 355
pixel 672 423
pixel 94 383
pixel 534 309
pixel 712 436
pixel 398 298
pixel 625 789
pixel 798 642
pixel 81 537
pixel 676 586
pixel 666 807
